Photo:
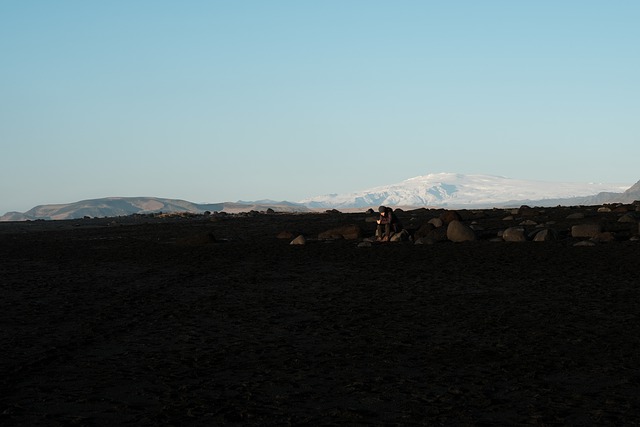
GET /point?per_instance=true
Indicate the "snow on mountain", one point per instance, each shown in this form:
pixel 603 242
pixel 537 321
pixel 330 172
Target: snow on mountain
pixel 458 190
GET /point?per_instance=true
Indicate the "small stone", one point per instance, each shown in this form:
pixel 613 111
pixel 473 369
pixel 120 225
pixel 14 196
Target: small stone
pixel 285 235
pixel 577 215
pixel 364 245
pixel 585 243
pixel 528 222
pixel 604 209
pixel 424 241
pixel 300 240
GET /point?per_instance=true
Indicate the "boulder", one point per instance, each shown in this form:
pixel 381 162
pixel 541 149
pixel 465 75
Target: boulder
pixel 424 230
pixel 628 217
pixel 545 235
pixel 528 222
pixel 604 209
pixel 448 216
pixel 364 245
pixel 300 240
pixel 437 234
pixel 527 211
pixel 402 236
pixel 604 237
pixel 514 234
pixel 347 232
pixel 586 230
pixel 436 222
pixel 458 232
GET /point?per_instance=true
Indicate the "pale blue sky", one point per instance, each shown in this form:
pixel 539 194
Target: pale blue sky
pixel 214 101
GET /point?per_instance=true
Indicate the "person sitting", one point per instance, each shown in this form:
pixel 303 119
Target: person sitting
pixel 389 221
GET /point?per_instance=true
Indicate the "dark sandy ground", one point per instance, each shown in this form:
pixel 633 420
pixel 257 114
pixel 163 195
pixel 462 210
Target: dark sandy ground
pixel 146 322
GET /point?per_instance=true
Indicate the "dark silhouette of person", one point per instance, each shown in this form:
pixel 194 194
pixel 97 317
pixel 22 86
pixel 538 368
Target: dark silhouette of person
pixel 389 221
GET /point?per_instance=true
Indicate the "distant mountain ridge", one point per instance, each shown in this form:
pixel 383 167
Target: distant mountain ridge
pixel 474 191
pixel 124 206
pixel 448 190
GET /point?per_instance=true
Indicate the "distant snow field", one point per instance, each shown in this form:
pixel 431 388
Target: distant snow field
pixel 458 190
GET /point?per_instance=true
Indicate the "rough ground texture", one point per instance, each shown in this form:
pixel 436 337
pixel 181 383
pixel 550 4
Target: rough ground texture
pixel 148 321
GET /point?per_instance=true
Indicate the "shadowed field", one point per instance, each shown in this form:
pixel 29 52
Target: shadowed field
pixel 208 321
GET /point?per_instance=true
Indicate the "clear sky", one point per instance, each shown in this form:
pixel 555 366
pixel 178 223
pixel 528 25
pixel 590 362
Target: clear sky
pixel 214 101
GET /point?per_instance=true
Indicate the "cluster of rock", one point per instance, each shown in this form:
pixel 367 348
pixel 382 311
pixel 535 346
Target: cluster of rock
pixel 581 226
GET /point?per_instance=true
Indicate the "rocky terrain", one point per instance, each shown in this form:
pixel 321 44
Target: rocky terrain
pixel 472 317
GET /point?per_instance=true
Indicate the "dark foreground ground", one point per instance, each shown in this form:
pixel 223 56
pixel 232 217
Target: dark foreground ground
pixel 147 322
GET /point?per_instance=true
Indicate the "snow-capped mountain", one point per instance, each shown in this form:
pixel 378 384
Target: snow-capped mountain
pixel 458 190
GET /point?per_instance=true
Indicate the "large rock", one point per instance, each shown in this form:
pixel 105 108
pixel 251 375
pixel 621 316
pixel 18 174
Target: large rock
pixel 424 230
pixel 347 232
pixel 604 237
pixel 458 232
pixel 514 234
pixel 436 222
pixel 437 234
pixel 545 235
pixel 448 216
pixel 586 230
pixel 526 211
pixel 628 217
pixel 402 236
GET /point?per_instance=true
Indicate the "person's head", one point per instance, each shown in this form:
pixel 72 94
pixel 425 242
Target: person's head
pixel 382 210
